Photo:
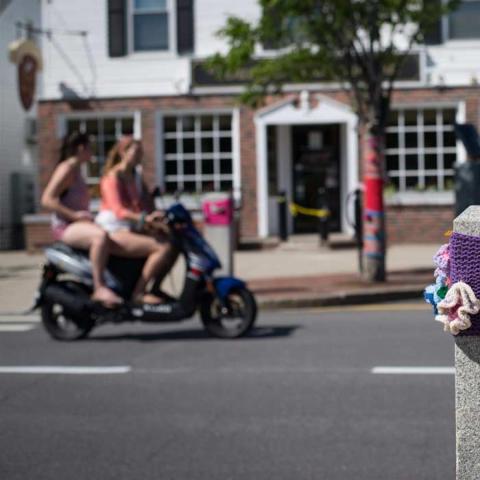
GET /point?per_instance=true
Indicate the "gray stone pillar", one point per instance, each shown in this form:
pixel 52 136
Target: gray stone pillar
pixel 467 378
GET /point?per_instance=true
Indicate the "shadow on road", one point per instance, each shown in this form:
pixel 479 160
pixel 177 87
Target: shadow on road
pixel 258 333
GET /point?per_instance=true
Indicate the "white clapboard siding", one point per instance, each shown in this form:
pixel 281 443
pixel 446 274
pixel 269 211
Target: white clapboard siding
pixel 83 66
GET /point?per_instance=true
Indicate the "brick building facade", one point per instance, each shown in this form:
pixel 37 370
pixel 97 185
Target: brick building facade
pixel 197 138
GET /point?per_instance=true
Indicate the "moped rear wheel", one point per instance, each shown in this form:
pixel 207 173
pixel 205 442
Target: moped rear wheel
pixel 232 318
pixel 60 324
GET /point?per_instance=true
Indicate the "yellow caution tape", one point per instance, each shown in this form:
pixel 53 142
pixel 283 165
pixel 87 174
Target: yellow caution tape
pixel 296 209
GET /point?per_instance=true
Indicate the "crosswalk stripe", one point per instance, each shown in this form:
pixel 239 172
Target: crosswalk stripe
pixel 16 328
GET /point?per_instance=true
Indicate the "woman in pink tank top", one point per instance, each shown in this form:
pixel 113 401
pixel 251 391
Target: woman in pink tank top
pixel 127 213
pixel 66 196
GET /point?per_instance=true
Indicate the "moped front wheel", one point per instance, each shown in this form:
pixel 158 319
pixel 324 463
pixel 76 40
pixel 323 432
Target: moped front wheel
pixel 232 318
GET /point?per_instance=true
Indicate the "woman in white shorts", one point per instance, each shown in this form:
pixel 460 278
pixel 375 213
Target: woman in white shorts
pixel 127 213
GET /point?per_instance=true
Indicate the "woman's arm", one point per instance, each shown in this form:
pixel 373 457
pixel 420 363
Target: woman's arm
pixel 61 180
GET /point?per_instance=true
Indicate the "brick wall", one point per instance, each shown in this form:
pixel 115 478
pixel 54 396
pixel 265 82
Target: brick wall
pixel 37 234
pixel 399 218
pixel 418 224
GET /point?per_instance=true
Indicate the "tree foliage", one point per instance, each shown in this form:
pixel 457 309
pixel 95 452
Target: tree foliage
pixel 361 44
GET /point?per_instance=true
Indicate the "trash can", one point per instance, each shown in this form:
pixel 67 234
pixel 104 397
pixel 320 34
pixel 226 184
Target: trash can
pixel 218 229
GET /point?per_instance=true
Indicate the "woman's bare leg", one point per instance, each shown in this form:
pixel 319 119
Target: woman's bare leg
pixel 91 237
pixel 135 245
pixel 169 260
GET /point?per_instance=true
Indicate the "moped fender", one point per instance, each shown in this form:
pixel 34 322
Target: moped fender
pixel 224 285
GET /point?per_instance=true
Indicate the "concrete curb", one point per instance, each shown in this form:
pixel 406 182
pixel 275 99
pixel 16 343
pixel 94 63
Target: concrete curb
pixel 357 297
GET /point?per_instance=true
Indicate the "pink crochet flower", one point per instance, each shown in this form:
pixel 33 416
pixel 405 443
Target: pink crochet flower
pixel 455 309
pixel 442 260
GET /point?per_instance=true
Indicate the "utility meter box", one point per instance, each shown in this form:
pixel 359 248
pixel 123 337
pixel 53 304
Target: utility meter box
pixel 22 202
pixel 219 228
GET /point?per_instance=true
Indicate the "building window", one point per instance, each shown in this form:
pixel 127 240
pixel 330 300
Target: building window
pixel 463 22
pixel 198 152
pixel 150 25
pixel 104 132
pixel 421 149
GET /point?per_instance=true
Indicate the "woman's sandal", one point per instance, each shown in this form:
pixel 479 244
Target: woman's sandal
pixel 148 298
pixel 110 303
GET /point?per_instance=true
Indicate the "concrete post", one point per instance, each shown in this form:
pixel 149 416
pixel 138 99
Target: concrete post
pixel 467 378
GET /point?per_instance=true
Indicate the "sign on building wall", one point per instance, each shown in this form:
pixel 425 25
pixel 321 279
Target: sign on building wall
pixel 202 76
pixel 26 55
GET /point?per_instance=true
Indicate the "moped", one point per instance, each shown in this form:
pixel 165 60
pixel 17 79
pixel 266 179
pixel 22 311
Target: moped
pixel 227 307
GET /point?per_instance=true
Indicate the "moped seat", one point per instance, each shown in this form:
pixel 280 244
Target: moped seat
pixel 67 249
pixel 121 273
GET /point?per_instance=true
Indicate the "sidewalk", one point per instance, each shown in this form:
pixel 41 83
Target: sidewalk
pixel 295 274
pixel 301 275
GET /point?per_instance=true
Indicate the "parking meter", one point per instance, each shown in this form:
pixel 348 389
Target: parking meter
pixel 218 227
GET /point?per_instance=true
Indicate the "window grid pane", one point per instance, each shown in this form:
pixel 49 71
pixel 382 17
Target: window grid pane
pixel 150 32
pixel 421 159
pixel 180 153
pixel 439 150
pixel 205 162
pixel 149 5
pixel 421 148
pixel 401 143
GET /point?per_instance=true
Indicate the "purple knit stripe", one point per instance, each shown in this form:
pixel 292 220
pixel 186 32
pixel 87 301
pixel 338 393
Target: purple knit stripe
pixel 465 267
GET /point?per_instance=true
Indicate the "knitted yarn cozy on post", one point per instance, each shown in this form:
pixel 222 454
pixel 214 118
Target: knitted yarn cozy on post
pixel 435 293
pixel 455 309
pixel 465 268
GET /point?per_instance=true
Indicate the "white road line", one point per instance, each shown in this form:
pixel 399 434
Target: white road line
pixel 16 328
pixel 414 370
pixel 46 369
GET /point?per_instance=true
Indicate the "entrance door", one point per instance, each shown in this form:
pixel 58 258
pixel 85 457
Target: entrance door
pixel 316 169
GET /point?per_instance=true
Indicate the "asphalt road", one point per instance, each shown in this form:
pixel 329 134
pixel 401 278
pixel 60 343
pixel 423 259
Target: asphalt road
pixel 296 400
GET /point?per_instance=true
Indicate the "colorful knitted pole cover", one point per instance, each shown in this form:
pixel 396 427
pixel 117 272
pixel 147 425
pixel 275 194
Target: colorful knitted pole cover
pixel 465 268
pixel 374 236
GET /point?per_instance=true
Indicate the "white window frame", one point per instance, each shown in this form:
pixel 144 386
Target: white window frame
pixel 85 116
pixel 235 155
pixel 426 197
pixel 172 32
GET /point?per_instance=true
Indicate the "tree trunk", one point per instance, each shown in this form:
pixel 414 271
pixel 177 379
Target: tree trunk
pixel 373 207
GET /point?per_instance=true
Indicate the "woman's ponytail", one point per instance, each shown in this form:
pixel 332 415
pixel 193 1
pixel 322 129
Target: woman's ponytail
pixel 70 144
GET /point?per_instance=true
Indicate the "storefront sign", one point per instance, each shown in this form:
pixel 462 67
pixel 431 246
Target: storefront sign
pixel 26 55
pixel 202 76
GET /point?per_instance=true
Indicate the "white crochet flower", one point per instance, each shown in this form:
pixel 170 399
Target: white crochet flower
pixel 455 309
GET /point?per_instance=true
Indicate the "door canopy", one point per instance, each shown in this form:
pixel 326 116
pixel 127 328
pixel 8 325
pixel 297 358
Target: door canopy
pixel 306 109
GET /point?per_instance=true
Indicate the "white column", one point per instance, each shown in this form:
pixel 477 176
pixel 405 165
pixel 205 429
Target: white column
pixel 262 178
pixel 350 166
